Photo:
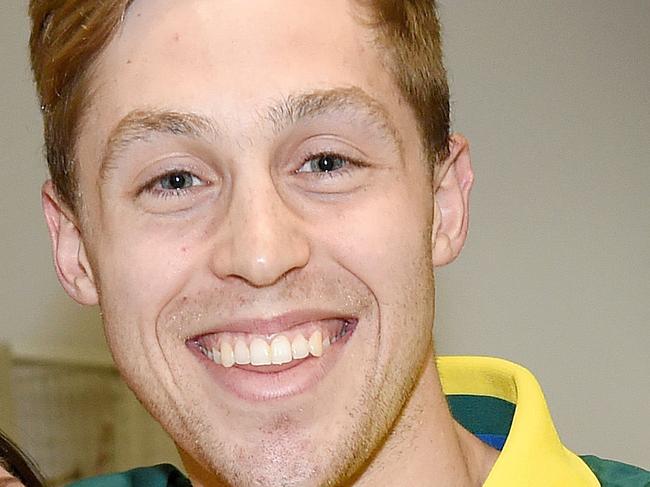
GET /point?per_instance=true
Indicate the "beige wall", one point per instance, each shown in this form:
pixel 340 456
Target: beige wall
pixel 554 96
pixel 36 315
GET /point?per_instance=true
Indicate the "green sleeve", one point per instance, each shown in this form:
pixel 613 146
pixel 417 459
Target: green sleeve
pixel 163 475
pixel 616 474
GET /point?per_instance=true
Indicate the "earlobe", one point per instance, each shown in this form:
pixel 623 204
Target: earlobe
pixel 452 181
pixel 70 259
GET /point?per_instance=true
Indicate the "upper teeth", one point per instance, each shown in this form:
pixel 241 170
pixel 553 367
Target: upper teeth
pixel 280 350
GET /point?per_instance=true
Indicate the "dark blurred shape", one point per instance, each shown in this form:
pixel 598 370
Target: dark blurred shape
pixel 19 464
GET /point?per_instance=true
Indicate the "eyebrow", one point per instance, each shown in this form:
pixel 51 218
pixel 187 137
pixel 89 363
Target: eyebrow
pixel 294 108
pixel 142 125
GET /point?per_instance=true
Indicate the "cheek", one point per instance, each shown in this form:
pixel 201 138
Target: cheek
pixel 386 243
pixel 140 271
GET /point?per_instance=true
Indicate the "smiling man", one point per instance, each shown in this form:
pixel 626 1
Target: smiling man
pixel 257 193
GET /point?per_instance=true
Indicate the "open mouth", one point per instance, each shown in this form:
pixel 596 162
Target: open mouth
pixel 298 343
pixel 264 366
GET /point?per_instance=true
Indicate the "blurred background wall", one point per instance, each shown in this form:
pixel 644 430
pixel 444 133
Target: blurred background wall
pixel 554 96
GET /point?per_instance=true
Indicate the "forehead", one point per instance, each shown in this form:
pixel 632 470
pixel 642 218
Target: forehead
pixel 232 55
pixel 229 61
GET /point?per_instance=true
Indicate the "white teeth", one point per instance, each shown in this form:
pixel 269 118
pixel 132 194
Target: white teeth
pixel 316 343
pixel 242 353
pixel 227 354
pixel 280 350
pixel 260 352
pixel 216 355
pixel 300 347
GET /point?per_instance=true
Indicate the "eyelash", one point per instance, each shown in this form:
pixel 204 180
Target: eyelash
pixel 149 186
pixel 350 163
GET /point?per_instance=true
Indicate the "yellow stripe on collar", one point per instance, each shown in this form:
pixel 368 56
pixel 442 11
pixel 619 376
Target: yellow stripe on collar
pixel 533 454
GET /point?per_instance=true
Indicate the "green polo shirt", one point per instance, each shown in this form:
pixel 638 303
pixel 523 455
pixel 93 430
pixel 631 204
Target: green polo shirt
pixel 503 405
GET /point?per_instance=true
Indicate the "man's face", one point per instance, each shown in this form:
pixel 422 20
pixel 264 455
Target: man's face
pixel 251 178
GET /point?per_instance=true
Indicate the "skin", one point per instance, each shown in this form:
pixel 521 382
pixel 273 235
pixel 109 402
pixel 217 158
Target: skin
pixel 8 480
pixel 261 234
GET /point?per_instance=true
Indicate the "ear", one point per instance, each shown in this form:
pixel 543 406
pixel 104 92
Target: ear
pixel 70 259
pixel 452 184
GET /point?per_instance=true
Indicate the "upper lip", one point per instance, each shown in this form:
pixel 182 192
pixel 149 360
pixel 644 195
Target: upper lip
pixel 275 324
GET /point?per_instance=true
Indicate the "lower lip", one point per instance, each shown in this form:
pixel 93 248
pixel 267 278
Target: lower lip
pixel 274 382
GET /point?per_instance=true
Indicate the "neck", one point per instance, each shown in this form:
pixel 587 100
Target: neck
pixel 427 446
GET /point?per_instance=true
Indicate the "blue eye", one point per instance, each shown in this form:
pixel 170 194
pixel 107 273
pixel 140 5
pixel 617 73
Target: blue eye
pixel 324 163
pixel 176 181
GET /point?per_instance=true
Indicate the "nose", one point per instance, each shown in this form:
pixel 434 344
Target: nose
pixel 262 238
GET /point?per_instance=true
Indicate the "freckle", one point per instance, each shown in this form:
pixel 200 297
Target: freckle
pixel 177 37
pixel 128 61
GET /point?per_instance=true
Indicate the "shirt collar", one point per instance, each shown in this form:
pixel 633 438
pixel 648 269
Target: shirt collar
pixel 532 454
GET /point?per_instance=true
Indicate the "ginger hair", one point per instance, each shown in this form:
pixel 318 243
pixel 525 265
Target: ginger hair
pixel 68 36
